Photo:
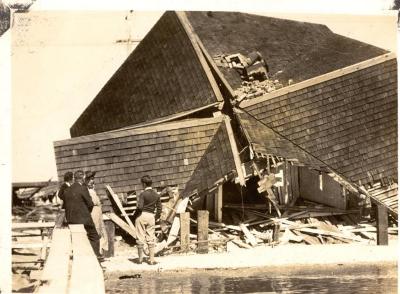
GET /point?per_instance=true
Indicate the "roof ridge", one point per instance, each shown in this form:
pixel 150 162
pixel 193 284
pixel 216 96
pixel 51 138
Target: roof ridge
pixel 162 126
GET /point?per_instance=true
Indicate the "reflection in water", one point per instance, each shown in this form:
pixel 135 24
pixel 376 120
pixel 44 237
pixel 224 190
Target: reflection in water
pixel 330 279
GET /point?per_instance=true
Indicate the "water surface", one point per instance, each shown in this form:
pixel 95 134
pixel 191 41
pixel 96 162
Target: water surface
pixel 327 279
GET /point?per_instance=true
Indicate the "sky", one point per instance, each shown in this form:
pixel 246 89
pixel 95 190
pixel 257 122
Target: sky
pixel 61 59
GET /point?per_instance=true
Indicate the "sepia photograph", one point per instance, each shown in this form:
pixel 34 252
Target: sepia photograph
pixel 199 149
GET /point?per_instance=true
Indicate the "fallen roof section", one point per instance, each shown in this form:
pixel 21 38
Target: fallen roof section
pixel 348 121
pixel 191 154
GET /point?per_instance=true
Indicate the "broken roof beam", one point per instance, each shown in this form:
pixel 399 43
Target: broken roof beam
pixel 192 36
pixel 235 152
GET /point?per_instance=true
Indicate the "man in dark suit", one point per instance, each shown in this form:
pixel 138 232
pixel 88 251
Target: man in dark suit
pixel 78 205
pixel 68 180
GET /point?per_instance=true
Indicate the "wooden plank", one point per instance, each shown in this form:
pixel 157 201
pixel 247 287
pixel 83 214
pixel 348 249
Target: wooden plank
pixel 192 37
pixel 286 187
pixel 382 225
pixel 327 233
pixel 202 231
pixel 295 182
pixel 249 236
pixel 45 240
pixel 123 225
pixel 214 67
pixel 211 204
pixel 246 206
pixel 235 152
pixel 86 273
pixel 370 229
pixel 55 273
pixel 275 233
pixel 173 233
pixel 319 214
pixel 32 225
pixel 218 204
pixel 390 201
pixel 119 205
pixel 185 230
pixel 40 245
pixel 241 244
pixel 110 228
pixel 20 185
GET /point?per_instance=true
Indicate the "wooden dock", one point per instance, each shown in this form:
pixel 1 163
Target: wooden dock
pixel 71 266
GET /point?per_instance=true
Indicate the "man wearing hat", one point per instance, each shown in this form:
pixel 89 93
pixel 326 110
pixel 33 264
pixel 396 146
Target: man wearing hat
pixel 78 205
pixel 97 214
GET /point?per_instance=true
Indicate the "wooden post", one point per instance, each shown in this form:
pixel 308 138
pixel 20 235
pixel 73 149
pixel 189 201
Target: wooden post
pixel 218 204
pixel 110 228
pixel 382 225
pixel 185 230
pixel 60 218
pixel 45 239
pixel 210 204
pixel 202 231
pixel 275 234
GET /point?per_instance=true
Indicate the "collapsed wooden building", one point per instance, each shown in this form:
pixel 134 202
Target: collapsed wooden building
pixel 228 107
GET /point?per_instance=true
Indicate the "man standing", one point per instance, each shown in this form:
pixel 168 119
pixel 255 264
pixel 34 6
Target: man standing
pixel 78 205
pixel 148 211
pixel 68 180
pixel 97 214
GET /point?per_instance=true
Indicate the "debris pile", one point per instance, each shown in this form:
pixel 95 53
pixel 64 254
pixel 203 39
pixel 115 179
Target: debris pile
pixel 251 225
pixel 253 71
pixel 253 89
pixel 251 67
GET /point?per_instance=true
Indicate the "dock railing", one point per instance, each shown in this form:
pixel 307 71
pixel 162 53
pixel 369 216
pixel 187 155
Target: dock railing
pixel 71 266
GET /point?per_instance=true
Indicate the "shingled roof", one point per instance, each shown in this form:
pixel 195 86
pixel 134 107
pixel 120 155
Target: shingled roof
pixel 300 50
pixel 347 119
pixel 168 73
pixel 191 154
pixel 164 75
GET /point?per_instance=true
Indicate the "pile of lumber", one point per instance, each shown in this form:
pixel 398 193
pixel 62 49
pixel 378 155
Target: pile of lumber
pixel 250 225
pixel 247 225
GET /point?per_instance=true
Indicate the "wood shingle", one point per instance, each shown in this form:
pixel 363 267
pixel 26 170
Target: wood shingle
pixel 161 77
pixel 191 154
pixel 297 50
pixel 349 121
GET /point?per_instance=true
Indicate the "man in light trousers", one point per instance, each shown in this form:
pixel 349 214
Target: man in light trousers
pixel 147 212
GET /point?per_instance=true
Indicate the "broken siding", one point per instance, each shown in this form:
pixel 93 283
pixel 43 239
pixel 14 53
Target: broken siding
pixel 299 50
pixel 349 122
pixel 162 76
pixel 173 154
